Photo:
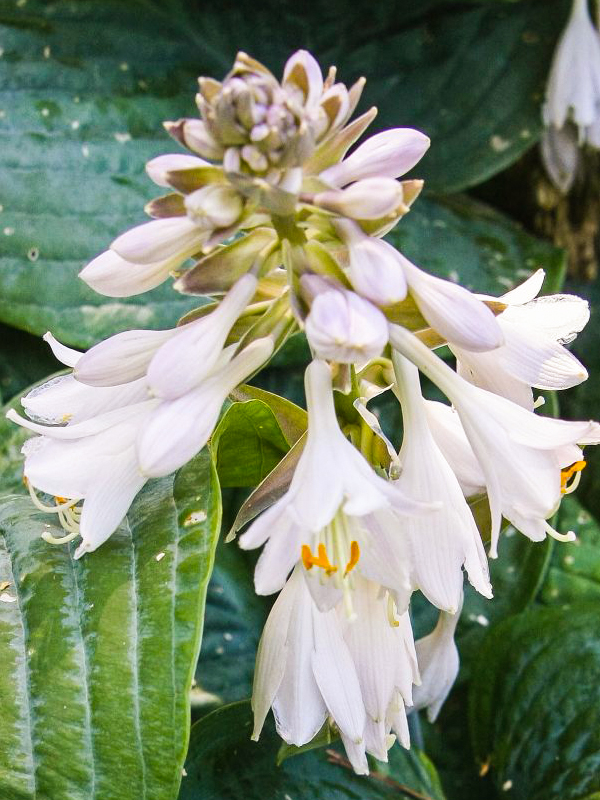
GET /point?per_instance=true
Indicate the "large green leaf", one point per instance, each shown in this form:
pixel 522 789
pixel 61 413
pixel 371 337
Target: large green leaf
pixel 575 566
pixel 85 86
pixel 98 654
pixel 535 704
pixel 224 763
pixel 233 623
pixel 24 359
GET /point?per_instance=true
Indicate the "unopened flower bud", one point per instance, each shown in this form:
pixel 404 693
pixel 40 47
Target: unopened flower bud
pixel 371 198
pixel 216 206
pixel 343 327
pixel 386 155
pixel 158 168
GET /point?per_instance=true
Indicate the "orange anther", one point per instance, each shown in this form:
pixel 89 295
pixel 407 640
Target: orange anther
pixel 567 473
pixel 354 556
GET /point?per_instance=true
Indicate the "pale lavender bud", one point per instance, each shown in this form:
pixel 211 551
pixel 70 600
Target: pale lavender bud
pixel 215 206
pixel 371 198
pixel 343 327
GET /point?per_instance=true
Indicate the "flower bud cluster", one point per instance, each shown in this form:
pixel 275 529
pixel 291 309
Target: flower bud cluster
pixel 285 226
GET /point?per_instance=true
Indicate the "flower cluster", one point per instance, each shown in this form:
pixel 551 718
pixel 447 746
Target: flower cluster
pixel 285 223
pixel 571 112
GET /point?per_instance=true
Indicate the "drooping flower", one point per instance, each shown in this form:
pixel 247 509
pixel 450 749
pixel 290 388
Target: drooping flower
pixel 338 516
pixel 533 354
pixel 304 671
pixel 522 455
pixel 572 96
pixel 314 664
pixel 445 540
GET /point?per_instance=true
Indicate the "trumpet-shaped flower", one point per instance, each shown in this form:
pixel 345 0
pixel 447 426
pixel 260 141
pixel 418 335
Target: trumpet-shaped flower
pixel 337 517
pixel 523 456
pixel 438 661
pixel 533 354
pixel 314 664
pixel 447 539
pixel 304 671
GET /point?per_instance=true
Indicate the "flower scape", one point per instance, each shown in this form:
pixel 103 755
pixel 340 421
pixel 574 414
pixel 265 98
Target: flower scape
pixel 284 218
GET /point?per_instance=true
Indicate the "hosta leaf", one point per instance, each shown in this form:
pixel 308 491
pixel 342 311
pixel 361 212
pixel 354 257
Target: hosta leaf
pixel 98 654
pixel 234 620
pixel 574 571
pixel 535 704
pixel 224 763
pixel 247 443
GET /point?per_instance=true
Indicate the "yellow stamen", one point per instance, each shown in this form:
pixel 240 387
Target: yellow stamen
pixel 567 474
pixel 354 556
pixel 321 560
pixel 391 612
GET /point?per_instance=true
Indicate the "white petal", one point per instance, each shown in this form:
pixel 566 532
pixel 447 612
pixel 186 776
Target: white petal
pixel 336 677
pixel 108 499
pixel 65 399
pixel 159 240
pixel 304 71
pixel 64 354
pixel 121 358
pixel 525 291
pixel 113 276
pixel 459 316
pixel 558 316
pixel 438 662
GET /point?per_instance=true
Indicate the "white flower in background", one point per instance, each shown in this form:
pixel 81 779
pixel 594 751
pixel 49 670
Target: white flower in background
pixel 533 354
pixel 572 96
pixel 522 455
pixel 344 327
pixel 305 672
pixel 445 540
pixel 438 661
pixel 338 516
pixel 382 649
pixel 381 273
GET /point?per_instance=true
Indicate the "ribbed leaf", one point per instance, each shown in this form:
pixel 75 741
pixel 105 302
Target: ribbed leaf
pixel 535 704
pixel 98 654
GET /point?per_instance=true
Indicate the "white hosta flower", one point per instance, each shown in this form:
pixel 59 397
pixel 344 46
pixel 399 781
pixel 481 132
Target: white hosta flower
pixel 343 327
pixel 113 276
pixel 534 331
pixel 389 154
pixel 521 454
pixel 192 352
pixel 178 429
pixel 438 664
pixel 305 672
pixel 93 461
pixel 445 540
pixel 382 649
pixel 378 271
pixel 338 516
pixel 573 90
